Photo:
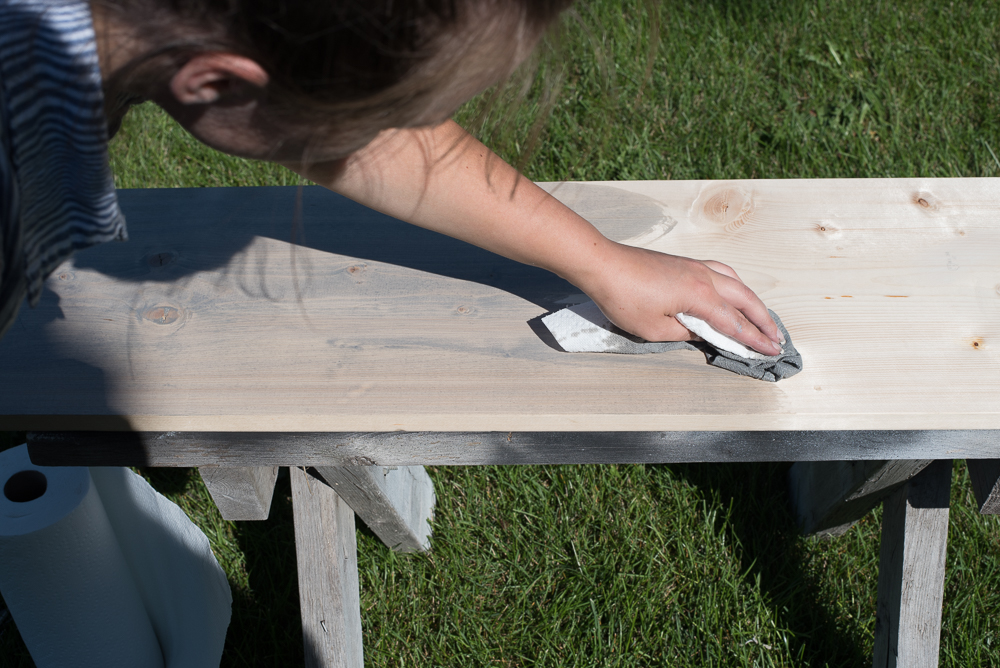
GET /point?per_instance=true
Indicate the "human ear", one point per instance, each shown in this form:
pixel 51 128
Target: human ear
pixel 207 77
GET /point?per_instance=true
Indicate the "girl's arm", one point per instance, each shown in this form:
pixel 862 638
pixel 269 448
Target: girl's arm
pixel 444 180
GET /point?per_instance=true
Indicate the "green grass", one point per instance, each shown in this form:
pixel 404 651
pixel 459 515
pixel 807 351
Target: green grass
pixel 693 565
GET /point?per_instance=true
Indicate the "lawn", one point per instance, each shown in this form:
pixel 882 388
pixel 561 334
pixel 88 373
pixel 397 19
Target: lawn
pixel 679 565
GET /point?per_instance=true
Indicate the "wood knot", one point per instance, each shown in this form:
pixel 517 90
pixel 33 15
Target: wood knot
pixel 465 310
pixel 827 230
pixel 157 260
pixel 731 207
pixel 161 315
pixel 977 343
pixel 926 201
pixel 66 276
pixel 357 272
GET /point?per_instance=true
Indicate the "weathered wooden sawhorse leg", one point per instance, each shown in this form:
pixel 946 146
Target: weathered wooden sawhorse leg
pixel 830 496
pixel 395 502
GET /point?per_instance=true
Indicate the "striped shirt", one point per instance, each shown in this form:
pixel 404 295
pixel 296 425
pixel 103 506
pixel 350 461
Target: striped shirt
pixel 56 190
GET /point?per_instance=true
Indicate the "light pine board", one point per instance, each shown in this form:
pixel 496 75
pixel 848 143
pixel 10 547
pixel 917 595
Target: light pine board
pixel 208 319
pixel 911 571
pixel 241 493
pixel 985 476
pixel 327 558
pixel 829 497
pixel 396 502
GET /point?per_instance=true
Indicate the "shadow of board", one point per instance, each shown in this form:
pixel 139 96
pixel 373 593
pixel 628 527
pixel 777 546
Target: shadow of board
pixel 772 549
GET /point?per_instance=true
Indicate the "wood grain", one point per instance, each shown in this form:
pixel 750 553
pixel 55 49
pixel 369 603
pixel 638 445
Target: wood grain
pixel 209 319
pixel 241 493
pixel 395 502
pixel 911 571
pixel 326 552
pixel 463 448
pixel 985 475
pixel 829 497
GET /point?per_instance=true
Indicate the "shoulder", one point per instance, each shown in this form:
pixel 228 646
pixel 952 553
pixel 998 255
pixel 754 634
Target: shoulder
pixel 55 141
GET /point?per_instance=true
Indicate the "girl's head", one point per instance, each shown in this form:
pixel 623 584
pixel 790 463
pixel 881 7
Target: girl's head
pixel 312 79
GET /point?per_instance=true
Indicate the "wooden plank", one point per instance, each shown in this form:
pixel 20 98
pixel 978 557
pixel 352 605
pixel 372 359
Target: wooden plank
pixel 911 571
pixel 463 448
pixel 241 493
pixel 374 325
pixel 829 497
pixel 396 502
pixel 985 475
pixel 326 552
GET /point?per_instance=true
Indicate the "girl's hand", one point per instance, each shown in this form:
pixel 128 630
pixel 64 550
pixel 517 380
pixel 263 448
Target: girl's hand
pixel 640 290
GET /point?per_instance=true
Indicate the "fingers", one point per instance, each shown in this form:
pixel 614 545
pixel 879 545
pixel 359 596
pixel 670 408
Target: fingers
pixel 752 308
pixel 738 313
pixel 757 312
pixel 720 268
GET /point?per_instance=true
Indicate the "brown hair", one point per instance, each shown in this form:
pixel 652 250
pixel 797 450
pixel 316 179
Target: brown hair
pixel 354 66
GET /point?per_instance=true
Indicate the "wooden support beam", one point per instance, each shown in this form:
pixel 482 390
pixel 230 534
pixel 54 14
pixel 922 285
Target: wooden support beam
pixel 396 502
pixel 454 448
pixel 985 475
pixel 329 597
pixel 911 571
pixel 829 497
pixel 241 493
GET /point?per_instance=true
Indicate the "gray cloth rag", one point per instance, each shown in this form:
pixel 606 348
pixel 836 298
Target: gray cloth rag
pixel 583 328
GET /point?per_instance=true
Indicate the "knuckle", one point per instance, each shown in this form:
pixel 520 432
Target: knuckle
pixel 705 293
pixel 746 293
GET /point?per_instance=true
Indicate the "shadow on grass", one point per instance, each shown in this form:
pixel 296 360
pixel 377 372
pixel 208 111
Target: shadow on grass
pixel 266 629
pixel 169 481
pixel 761 520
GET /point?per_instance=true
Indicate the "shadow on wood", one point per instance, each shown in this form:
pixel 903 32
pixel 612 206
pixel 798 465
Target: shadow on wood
pixel 220 223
